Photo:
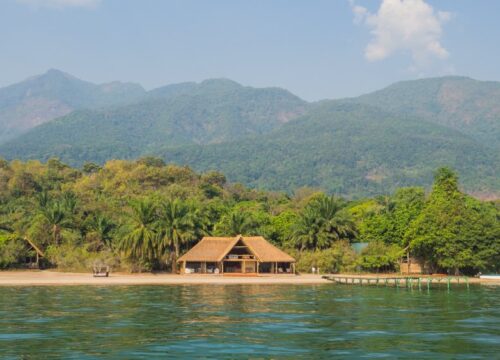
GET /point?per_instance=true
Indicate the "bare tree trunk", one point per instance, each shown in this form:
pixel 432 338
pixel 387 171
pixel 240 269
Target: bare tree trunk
pixel 57 234
pixel 173 258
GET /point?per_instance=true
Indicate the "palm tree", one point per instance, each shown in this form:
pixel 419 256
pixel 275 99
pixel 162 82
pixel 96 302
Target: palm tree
pixel 139 237
pixel 235 223
pixel 339 223
pixel 55 214
pixel 42 198
pixel 308 232
pixel 178 227
pixel 102 228
pixel 69 202
pixel 322 222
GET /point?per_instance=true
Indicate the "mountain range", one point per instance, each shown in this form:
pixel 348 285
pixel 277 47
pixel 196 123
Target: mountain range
pixel 265 137
pixel 45 97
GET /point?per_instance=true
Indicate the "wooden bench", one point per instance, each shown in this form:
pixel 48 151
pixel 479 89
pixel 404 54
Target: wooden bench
pixel 101 271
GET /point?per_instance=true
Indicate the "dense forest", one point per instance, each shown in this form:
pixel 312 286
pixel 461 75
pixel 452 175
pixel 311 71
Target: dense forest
pixel 350 149
pixel 142 215
pixel 265 138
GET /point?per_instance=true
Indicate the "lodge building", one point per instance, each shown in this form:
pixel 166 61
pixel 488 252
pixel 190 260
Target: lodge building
pixel 236 255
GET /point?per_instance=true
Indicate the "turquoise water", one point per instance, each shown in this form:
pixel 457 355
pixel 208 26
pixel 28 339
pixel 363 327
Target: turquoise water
pixel 249 321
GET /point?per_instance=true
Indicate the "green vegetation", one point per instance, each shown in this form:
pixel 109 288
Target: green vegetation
pixel 461 103
pixel 270 139
pixel 142 215
pixel 211 112
pixel 348 149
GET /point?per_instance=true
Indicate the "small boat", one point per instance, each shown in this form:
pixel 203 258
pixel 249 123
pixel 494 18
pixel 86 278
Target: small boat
pixel 490 277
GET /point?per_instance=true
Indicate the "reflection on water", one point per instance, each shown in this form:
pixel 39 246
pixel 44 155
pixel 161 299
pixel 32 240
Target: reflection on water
pixel 259 321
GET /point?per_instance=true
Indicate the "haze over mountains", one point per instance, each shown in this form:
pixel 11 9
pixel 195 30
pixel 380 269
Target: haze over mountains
pixel 53 94
pixel 268 137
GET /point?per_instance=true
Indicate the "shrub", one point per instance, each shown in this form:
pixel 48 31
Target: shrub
pixel 12 252
pixel 340 257
pixel 378 256
pixel 79 258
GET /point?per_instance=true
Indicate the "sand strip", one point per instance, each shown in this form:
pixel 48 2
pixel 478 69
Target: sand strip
pixel 55 278
pixel 40 278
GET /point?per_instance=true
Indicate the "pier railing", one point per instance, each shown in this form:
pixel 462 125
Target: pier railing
pixel 417 282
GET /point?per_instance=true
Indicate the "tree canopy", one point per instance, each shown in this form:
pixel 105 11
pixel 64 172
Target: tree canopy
pixel 142 215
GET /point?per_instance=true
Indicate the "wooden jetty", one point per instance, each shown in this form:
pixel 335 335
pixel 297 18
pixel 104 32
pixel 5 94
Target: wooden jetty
pixel 417 282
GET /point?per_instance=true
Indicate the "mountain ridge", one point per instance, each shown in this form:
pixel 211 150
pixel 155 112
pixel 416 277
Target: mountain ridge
pixel 347 150
pixel 45 97
pixel 270 138
pixel 459 102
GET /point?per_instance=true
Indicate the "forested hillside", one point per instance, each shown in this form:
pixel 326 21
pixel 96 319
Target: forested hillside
pixel 348 149
pixel 465 104
pixel 45 97
pixel 271 139
pixel 211 112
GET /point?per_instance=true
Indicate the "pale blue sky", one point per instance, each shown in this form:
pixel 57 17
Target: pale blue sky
pixel 314 48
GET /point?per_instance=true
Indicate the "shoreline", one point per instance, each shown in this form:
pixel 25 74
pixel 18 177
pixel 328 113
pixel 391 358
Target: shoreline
pixel 56 278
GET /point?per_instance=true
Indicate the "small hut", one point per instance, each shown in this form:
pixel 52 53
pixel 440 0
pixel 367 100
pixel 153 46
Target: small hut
pixel 236 255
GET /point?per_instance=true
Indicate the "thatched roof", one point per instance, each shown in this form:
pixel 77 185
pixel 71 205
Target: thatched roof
pixel 265 251
pixel 214 249
pixel 210 249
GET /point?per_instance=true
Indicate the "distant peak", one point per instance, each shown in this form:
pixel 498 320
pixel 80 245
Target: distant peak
pixel 220 82
pixel 55 71
pixel 55 74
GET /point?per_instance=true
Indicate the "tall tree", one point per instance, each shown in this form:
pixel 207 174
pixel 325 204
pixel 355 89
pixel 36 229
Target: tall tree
pixel 178 227
pixel 452 230
pixel 235 223
pixel 56 216
pixel 390 222
pixel 100 229
pixel 322 222
pixel 139 237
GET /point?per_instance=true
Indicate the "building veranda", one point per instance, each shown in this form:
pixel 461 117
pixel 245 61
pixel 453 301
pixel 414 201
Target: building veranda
pixel 236 255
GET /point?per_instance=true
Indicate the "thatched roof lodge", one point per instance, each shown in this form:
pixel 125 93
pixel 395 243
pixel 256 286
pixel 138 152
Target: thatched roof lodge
pixel 240 255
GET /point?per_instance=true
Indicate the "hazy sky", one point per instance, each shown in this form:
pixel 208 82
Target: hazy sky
pixel 314 48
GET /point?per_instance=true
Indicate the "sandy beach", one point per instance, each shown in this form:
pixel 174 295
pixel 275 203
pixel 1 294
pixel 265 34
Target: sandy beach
pixel 55 278
pixel 40 278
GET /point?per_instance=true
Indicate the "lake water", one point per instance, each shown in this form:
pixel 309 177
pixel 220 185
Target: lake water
pixel 249 321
